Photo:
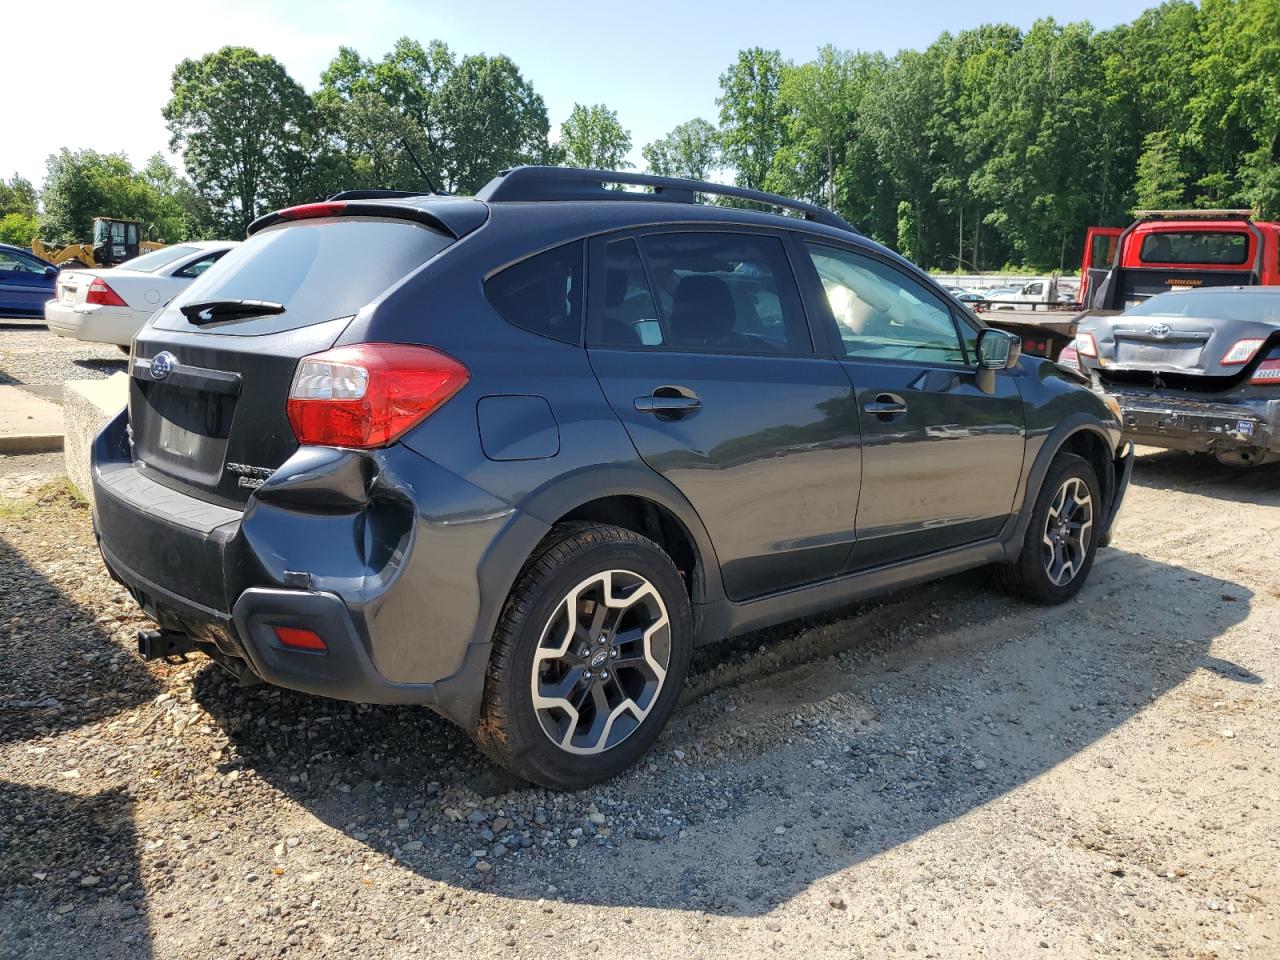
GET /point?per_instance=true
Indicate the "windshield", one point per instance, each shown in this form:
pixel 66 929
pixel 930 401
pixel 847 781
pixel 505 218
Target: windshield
pixel 1195 246
pixel 153 261
pixel 1262 307
pixel 317 269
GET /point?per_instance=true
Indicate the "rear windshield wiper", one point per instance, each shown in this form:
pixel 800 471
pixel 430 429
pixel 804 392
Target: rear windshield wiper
pixel 212 311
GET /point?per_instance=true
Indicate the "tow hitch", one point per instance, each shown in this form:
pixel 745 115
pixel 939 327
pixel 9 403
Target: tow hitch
pixel 161 644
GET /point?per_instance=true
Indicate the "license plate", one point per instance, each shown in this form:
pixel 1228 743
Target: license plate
pixel 68 294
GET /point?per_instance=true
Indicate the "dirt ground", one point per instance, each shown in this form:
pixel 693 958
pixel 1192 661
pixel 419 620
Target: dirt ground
pixel 945 773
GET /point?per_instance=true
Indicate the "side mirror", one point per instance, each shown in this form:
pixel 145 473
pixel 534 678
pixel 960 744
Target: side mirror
pixel 50 271
pixel 998 349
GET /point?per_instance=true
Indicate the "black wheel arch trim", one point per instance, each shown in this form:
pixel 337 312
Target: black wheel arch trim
pixel 532 520
pixel 1053 444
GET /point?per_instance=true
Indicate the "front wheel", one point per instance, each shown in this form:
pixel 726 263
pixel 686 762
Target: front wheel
pixel 1062 537
pixel 588 660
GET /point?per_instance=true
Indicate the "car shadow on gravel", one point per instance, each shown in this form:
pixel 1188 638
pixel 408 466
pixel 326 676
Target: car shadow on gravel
pixel 60 669
pixel 104 367
pixel 925 719
pixel 69 869
pixel 72 888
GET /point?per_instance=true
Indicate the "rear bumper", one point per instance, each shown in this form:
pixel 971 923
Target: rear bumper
pixel 226 578
pixel 97 324
pixel 1200 425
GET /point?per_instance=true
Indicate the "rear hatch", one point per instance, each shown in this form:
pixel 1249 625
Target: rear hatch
pixel 207 398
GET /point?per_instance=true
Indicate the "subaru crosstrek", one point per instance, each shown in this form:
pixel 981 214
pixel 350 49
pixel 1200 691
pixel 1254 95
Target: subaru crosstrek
pixel 512 456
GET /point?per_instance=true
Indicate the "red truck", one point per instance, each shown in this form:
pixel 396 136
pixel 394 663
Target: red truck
pixel 1167 249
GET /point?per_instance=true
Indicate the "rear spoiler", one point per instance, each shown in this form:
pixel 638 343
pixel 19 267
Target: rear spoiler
pixel 366 206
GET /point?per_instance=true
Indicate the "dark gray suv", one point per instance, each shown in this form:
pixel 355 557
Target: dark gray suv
pixel 513 456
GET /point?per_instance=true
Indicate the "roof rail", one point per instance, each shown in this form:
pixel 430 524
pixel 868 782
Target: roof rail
pixel 1195 214
pixel 577 183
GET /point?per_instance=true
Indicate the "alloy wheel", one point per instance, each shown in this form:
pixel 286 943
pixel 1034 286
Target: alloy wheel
pixel 1068 527
pixel 601 662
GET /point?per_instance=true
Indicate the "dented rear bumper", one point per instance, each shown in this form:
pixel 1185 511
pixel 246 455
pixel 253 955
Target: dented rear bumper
pixel 1198 425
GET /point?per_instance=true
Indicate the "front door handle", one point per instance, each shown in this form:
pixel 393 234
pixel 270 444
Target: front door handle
pixel 886 406
pixel 669 402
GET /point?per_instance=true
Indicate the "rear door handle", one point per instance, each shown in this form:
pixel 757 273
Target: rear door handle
pixel 669 401
pixel 886 405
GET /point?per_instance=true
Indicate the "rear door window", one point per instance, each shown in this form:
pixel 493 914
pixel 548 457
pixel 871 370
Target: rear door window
pixel 630 316
pixel 1195 246
pixel 318 270
pixel 718 291
pixel 542 294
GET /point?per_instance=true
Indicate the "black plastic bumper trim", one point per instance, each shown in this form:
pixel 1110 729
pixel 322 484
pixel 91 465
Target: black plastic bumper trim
pixel 344 671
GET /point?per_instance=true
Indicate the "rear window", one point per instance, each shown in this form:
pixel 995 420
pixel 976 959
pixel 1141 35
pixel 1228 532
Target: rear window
pixel 542 294
pixel 1226 249
pixel 318 270
pixel 1260 307
pixel 153 261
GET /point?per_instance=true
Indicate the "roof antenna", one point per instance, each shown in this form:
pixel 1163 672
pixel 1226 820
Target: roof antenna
pixel 421 169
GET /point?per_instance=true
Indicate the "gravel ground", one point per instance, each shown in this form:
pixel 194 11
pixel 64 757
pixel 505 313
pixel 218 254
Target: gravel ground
pixel 946 773
pixel 38 359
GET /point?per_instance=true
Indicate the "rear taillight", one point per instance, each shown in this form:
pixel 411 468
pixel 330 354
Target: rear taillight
pixel 300 639
pixel 1241 352
pixel 1069 358
pixel 369 394
pixel 102 295
pixel 1268 373
pixel 1085 345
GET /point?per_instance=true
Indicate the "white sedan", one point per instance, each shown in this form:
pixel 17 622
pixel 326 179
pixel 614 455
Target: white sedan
pixel 110 306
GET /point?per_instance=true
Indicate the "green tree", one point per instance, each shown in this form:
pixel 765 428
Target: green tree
pixel 18 229
pixel 1042 187
pixel 820 104
pixel 243 125
pixel 593 137
pixel 85 184
pixel 1236 108
pixel 751 114
pixel 17 195
pixel 1161 181
pixel 691 150
pixel 896 115
pixel 491 118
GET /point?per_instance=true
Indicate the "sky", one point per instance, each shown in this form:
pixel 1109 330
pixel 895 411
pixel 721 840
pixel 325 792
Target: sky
pixel 100 81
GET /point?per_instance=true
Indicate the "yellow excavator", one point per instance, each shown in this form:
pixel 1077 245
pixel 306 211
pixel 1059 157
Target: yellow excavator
pixel 114 242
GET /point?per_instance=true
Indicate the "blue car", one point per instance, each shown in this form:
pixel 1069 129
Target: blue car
pixel 26 282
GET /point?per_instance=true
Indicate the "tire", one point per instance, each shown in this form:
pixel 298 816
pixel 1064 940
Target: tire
pixel 1032 576
pixel 621 672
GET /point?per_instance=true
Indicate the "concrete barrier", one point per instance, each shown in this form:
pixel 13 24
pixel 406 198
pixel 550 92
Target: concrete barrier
pixel 87 407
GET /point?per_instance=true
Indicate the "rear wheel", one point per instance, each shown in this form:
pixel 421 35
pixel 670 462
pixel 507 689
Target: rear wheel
pixel 588 660
pixel 1062 537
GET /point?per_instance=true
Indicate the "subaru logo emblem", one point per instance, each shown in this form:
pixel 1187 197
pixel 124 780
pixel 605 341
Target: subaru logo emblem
pixel 1159 330
pixel 162 365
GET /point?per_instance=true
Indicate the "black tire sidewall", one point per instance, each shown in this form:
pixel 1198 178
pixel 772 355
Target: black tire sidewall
pixel 1064 467
pixel 532 752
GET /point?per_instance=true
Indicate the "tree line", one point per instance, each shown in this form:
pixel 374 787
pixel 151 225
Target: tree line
pixel 990 147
